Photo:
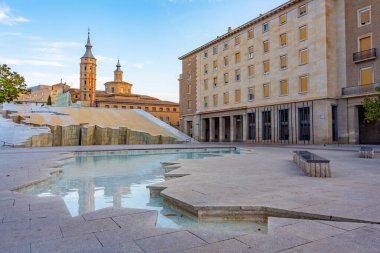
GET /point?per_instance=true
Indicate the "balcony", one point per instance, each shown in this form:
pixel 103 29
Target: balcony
pixel 365 55
pixel 360 89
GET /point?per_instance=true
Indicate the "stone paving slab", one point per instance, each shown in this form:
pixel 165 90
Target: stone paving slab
pixel 228 246
pixel 78 226
pixel 181 240
pixel 273 242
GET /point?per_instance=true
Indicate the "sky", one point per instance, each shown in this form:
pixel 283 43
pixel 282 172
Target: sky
pixel 43 40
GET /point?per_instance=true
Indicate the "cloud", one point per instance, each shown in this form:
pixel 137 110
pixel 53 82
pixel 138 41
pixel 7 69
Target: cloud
pixel 139 65
pixel 32 62
pixel 7 19
pixel 106 59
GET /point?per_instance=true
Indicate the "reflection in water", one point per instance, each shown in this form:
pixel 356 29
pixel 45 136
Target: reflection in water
pixel 93 182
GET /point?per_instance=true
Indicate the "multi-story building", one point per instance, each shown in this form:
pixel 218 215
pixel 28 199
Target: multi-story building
pixel 363 70
pixel 273 79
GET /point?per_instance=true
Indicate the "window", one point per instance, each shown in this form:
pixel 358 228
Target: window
pixel 237 57
pixel 146 108
pixel 168 109
pixel 304 123
pixel 124 107
pixel 205 54
pixel 225 47
pixel 226 78
pixel 266 90
pixel 215 99
pixel 302 10
pixel 237 75
pixel 365 43
pixel 205 69
pixel 251 70
pixel 225 98
pixel 266 126
pixel 266 67
pixel 304 56
pixel 251 34
pixel 189 62
pixel 188 104
pixel 225 60
pixel 205 102
pixel 283 87
pixel 366 76
pixel 237 96
pixel 364 16
pixel 215 65
pixel 237 40
pixel 205 84
pixel 265 27
pixel 303 33
pixel 174 109
pixel 188 76
pixel 283 19
pixel 113 90
pixel 115 106
pixel 250 52
pixel 304 83
pixel 283 121
pixel 107 106
pixel 215 50
pixel 154 109
pixel 131 107
pixel 284 62
pixel 251 93
pixel 167 119
pixel 283 39
pixel 266 46
pixel 161 109
pixel 215 82
pixel 189 89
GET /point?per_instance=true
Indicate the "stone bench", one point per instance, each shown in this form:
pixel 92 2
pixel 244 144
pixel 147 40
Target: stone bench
pixel 311 164
pixel 367 152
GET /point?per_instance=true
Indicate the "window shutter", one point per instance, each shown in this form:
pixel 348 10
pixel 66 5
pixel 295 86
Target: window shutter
pixel 284 87
pixel 365 43
pixel 304 83
pixel 366 76
pixel 364 17
pixel 303 33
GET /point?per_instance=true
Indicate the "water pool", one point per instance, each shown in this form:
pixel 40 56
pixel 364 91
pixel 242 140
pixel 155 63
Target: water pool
pixel 92 181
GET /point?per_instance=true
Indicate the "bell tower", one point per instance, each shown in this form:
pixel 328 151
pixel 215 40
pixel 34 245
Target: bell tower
pixel 88 75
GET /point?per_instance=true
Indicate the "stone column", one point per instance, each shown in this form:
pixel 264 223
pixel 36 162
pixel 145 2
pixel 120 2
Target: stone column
pixel 203 130
pixel 232 128
pixel 221 129
pixel 212 129
pixel 245 127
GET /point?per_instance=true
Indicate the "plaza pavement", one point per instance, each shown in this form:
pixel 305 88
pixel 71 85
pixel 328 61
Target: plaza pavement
pixel 264 177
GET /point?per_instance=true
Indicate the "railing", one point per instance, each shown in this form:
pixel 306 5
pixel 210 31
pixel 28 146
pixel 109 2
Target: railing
pixel 7 144
pixel 361 89
pixel 365 55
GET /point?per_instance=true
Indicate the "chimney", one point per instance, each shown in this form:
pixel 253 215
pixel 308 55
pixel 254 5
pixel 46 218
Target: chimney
pixel 229 29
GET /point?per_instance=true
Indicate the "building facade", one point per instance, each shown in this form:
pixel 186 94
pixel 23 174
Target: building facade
pixel 274 79
pixel 363 70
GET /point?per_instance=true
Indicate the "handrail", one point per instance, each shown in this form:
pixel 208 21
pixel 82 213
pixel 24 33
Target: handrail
pixel 7 144
pixel 360 89
pixel 366 54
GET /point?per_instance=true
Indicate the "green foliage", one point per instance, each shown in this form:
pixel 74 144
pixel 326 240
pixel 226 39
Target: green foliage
pixel 372 109
pixel 49 100
pixel 12 85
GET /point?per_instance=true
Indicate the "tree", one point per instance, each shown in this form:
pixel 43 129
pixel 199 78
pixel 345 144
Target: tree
pixel 12 85
pixel 49 100
pixel 372 109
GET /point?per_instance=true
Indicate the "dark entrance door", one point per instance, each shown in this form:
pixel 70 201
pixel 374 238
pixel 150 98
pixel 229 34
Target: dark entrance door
pixel 369 133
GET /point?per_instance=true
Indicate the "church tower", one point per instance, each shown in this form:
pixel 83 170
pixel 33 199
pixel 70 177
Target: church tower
pixel 118 73
pixel 88 75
